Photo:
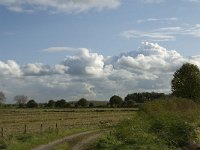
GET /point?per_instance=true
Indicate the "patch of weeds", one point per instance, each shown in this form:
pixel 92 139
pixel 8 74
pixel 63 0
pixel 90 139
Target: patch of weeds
pixel 175 132
pixel 24 137
pixel 159 125
pixel 3 144
pixel 107 142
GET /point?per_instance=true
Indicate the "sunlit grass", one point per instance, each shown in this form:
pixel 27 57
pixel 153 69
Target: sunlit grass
pixel 168 124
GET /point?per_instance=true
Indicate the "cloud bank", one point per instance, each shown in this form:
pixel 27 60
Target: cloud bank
pixel 94 76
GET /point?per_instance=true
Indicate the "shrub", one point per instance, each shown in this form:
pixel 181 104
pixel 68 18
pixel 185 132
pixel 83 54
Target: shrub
pixel 159 125
pixel 3 144
pixel 107 142
pixel 173 130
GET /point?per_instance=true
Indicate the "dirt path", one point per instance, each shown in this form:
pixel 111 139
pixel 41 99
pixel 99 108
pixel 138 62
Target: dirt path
pixel 84 143
pixel 60 141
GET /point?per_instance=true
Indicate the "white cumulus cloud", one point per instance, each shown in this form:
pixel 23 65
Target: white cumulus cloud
pixel 94 76
pixel 86 63
pixel 10 68
pixel 39 69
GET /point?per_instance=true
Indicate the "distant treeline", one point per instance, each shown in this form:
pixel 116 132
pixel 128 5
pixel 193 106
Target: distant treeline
pixel 131 100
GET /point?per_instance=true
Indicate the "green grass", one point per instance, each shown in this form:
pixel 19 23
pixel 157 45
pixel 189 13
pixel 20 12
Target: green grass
pixel 28 141
pixel 160 125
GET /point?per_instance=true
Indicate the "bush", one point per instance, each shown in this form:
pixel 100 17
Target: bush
pixel 132 134
pixel 169 120
pixel 3 144
pixel 107 142
pixel 183 108
pixel 174 131
pixel 159 125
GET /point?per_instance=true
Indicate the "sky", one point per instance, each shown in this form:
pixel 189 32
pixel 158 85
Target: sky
pixel 54 49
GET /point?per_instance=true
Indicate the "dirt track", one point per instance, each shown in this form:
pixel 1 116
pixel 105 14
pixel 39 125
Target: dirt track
pixel 84 143
pixel 92 136
pixel 60 141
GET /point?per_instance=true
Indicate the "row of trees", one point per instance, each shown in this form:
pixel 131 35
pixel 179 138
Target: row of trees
pixel 131 100
pixel 24 102
pixel 63 104
pixel 115 101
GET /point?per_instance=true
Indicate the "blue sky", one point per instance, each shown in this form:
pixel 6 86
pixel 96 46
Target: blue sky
pixel 44 39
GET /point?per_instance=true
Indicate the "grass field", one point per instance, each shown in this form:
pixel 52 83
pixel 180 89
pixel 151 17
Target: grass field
pixel 42 122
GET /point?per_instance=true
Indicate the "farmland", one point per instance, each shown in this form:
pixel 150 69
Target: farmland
pixel 15 122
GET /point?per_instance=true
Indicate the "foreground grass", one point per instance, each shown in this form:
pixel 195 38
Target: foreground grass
pixel 160 125
pixel 28 141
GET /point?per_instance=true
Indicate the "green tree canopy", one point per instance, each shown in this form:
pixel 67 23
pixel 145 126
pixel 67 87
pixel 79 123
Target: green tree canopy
pixel 116 101
pixel 186 82
pixel 31 104
pixel 91 105
pixel 60 103
pixel 82 102
pixel 143 96
pixel 51 103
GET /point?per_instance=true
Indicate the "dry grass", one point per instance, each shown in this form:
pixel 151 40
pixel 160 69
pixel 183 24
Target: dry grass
pixel 13 120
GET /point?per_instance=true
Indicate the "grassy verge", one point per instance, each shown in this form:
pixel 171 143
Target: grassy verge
pixel 28 141
pixel 161 125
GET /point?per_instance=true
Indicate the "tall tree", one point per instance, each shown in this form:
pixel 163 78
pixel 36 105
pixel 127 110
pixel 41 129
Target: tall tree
pixel 116 101
pixel 60 103
pixel 31 104
pixel 186 82
pixel 21 100
pixel 51 103
pixel 82 102
pixel 2 97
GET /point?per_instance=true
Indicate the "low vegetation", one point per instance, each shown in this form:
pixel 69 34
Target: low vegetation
pixel 160 125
